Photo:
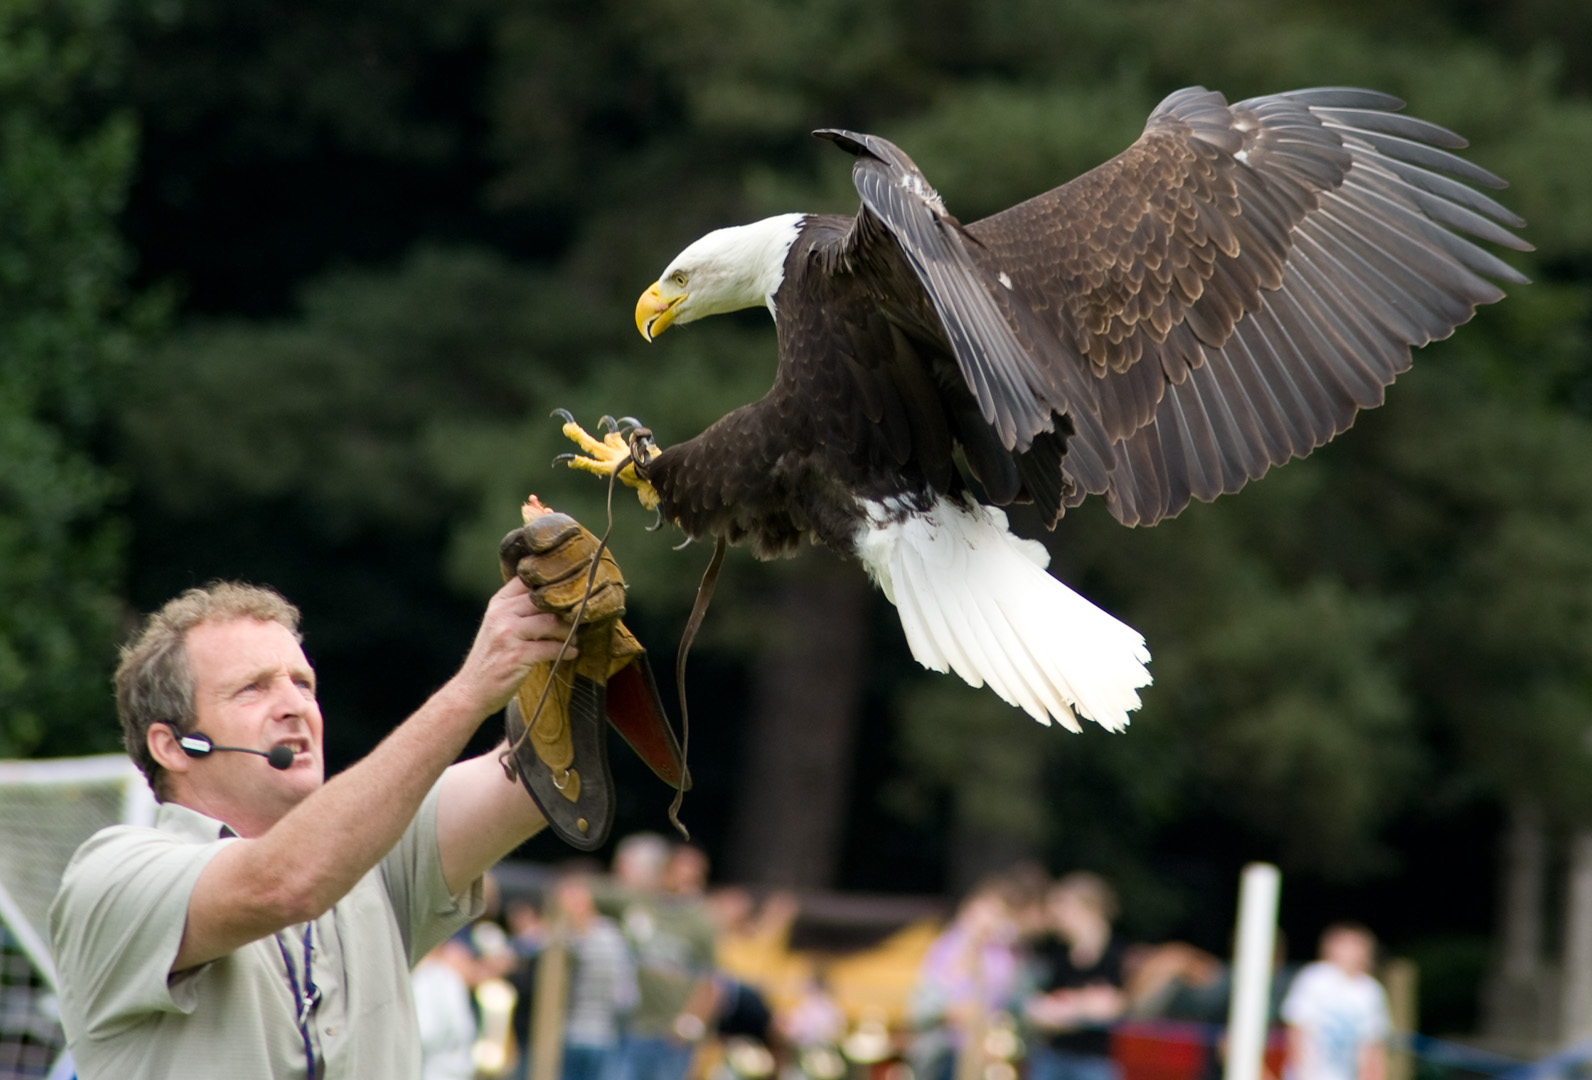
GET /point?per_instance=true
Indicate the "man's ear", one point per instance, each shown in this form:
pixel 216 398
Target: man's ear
pixel 161 738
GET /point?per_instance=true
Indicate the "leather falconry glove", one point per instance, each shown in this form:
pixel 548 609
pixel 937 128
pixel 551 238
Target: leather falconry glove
pixel 562 759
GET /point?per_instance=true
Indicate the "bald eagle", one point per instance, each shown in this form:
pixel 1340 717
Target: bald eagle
pixel 1223 296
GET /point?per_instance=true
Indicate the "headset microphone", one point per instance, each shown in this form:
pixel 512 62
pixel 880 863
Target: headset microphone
pixel 198 745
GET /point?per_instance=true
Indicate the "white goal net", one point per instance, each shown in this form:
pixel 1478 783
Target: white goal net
pixel 48 808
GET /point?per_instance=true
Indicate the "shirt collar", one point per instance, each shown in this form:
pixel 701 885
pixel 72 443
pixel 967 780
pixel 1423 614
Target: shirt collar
pixel 190 824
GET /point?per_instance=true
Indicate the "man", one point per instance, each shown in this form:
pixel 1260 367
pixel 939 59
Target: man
pixel 267 924
pixel 1082 984
pixel 659 905
pixel 1337 1013
pixel 602 983
pixel 968 975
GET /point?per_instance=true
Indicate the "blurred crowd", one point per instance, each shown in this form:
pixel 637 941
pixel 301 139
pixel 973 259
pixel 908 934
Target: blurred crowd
pixel 643 972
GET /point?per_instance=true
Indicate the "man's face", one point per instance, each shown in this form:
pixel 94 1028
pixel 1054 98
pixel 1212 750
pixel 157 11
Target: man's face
pixel 686 872
pixel 254 688
pixel 1349 950
pixel 574 898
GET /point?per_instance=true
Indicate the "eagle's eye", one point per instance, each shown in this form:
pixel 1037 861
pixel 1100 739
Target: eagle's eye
pixel 678 277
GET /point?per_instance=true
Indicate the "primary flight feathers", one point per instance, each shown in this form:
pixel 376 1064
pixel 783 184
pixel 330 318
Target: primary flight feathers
pixel 1225 294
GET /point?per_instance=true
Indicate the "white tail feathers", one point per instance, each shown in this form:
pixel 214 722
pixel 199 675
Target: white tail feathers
pixel 975 599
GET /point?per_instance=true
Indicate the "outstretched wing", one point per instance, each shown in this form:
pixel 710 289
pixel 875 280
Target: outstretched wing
pixel 926 276
pixel 1243 279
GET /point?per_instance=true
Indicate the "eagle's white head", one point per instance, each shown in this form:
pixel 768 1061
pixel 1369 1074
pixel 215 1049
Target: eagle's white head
pixel 726 270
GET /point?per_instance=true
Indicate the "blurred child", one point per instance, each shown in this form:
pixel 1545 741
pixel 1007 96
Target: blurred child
pixel 1336 1013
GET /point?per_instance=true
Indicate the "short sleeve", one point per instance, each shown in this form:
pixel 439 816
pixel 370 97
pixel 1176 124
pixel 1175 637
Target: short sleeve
pixel 1298 1005
pixel 117 923
pixel 1379 1023
pixel 412 873
pixel 1290 1011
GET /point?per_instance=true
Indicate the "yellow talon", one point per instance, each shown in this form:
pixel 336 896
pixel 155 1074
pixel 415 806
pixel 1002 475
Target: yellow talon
pixel 603 455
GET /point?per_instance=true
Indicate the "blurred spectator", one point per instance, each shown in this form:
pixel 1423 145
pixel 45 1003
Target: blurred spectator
pixel 1025 886
pixel 969 973
pixel 480 953
pixel 482 950
pixel 639 860
pixel 815 1019
pixel 753 941
pixel 812 1030
pixel 445 1017
pixel 685 873
pixel 658 896
pixel 602 982
pixel 1336 1013
pixel 1079 978
pixel 747 947
pixel 1176 981
pixel 527 934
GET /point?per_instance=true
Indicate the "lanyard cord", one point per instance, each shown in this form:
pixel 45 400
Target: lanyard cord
pixel 304 1002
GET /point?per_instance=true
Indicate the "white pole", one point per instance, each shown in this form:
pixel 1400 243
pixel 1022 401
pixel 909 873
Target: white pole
pixel 1252 965
pixel 1576 994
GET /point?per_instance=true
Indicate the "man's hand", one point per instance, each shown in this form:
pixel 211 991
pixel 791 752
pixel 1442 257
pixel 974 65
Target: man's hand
pixel 553 555
pixel 514 636
pixel 558 725
pixel 483 814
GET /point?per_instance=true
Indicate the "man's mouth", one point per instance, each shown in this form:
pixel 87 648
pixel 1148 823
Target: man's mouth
pixel 298 746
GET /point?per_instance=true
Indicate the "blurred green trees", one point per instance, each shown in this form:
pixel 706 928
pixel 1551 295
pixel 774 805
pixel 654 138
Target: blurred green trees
pixel 406 232
pixel 67 327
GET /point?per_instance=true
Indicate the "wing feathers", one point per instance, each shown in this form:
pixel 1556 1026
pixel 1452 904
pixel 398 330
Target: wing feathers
pixel 1392 123
pixel 1269 263
pixel 1014 395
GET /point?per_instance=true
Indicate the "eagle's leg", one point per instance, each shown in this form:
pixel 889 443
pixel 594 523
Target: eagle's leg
pixel 618 449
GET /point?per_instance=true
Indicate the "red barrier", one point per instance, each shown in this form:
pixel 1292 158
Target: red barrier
pixel 1177 1050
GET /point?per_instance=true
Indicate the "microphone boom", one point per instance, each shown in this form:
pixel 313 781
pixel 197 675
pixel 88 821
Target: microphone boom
pixel 198 744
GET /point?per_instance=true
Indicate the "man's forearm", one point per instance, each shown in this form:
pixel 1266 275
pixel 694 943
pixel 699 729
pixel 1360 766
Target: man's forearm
pixel 1373 1061
pixel 321 848
pixel 482 815
pixel 341 831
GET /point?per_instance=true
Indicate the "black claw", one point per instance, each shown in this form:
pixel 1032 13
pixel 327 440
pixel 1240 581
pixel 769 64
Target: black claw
pixel 608 423
pixel 564 415
pixel 641 444
pixel 562 458
pixel 629 423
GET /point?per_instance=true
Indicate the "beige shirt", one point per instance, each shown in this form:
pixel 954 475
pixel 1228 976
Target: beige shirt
pixel 117 922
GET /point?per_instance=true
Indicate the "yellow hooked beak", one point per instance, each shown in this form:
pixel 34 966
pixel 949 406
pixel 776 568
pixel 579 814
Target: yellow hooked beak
pixel 654 313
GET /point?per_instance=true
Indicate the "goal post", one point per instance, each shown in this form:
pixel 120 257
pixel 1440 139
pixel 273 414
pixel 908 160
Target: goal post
pixel 47 809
